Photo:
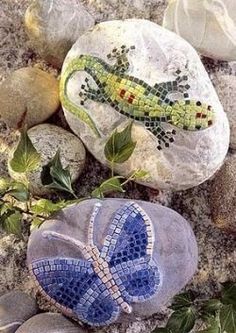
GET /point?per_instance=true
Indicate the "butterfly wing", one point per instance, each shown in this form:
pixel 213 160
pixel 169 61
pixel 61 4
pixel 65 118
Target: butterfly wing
pixel 128 248
pixel 73 286
pixel 130 236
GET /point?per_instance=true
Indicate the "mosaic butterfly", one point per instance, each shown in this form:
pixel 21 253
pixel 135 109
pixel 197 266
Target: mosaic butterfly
pixel 108 280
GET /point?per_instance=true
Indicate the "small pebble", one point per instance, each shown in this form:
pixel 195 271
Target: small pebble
pixel 48 139
pixel 49 323
pixel 223 196
pixel 54 25
pixel 29 95
pixel 15 308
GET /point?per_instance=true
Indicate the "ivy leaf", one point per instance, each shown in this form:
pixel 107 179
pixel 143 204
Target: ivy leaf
pixel 182 320
pixel 55 177
pixel 36 223
pixel 25 157
pixel 11 222
pixel 46 207
pixel 120 146
pixel 211 306
pixel 110 185
pixel 229 293
pixel 228 318
pixel 183 300
pixel 140 174
pixel 214 326
pixel 19 191
pixel 161 330
pixel 4 185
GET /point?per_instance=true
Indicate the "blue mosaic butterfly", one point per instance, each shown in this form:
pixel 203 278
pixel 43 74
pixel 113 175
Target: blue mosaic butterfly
pixel 96 289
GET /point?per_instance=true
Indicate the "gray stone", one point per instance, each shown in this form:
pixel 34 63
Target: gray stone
pixel 195 155
pixel 223 196
pixel 47 139
pixel 49 323
pixel 15 308
pixel 29 95
pixel 174 251
pixel 225 86
pixel 53 26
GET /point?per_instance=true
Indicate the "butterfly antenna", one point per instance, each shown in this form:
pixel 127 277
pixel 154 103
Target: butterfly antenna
pixel 95 212
pixel 56 236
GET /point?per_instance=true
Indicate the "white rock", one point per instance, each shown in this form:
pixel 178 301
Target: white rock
pixel 47 139
pixel 225 86
pixel 195 155
pixel 209 25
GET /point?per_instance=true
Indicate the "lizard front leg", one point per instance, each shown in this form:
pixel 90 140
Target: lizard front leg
pixel 87 92
pixel 120 55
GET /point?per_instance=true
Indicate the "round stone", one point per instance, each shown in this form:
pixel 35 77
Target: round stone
pixel 145 73
pixel 48 139
pixel 15 308
pixel 29 95
pixel 50 323
pixel 223 196
pixel 208 25
pixel 53 26
pixel 225 86
pixel 112 260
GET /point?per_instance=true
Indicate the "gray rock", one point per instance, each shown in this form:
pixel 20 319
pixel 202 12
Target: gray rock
pixel 15 308
pixel 49 323
pixel 185 160
pixel 174 249
pixel 53 26
pixel 223 196
pixel 29 95
pixel 47 139
pixel 225 86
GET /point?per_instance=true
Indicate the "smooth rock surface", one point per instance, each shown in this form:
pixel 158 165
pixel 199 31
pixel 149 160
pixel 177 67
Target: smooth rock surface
pixel 223 196
pixel 209 25
pixel 15 308
pixel 174 251
pixel 225 86
pixel 47 139
pixel 49 323
pixel 195 155
pixel 29 95
pixel 53 26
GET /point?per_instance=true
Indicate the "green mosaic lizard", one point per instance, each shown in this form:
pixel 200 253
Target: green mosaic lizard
pixel 134 98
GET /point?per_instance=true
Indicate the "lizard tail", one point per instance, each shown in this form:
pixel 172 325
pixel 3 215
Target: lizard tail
pixel 76 65
pixel 191 115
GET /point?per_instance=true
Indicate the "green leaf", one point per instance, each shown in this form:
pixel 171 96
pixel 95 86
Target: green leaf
pixel 25 157
pixel 110 185
pixel 55 177
pixel 140 174
pixel 11 222
pixel 46 207
pixel 183 300
pixel 228 318
pixel 214 326
pixel 120 146
pixel 4 185
pixel 36 223
pixel 182 320
pixel 19 191
pixel 228 294
pixel 211 306
pixel 161 330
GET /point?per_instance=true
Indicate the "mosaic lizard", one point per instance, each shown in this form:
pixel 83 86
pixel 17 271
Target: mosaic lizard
pixel 135 98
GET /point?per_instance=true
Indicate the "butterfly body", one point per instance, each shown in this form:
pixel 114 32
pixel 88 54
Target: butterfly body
pixel 107 281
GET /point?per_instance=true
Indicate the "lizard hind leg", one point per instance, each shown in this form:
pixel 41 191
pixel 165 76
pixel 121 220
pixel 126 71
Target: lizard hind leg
pixel 165 138
pixel 120 55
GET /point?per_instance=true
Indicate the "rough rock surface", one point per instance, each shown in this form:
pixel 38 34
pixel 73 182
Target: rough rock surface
pixel 28 96
pixel 50 323
pixel 15 308
pixel 225 86
pixel 223 196
pixel 198 152
pixel 53 27
pixel 208 25
pixel 48 139
pixel 216 249
pixel 174 251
